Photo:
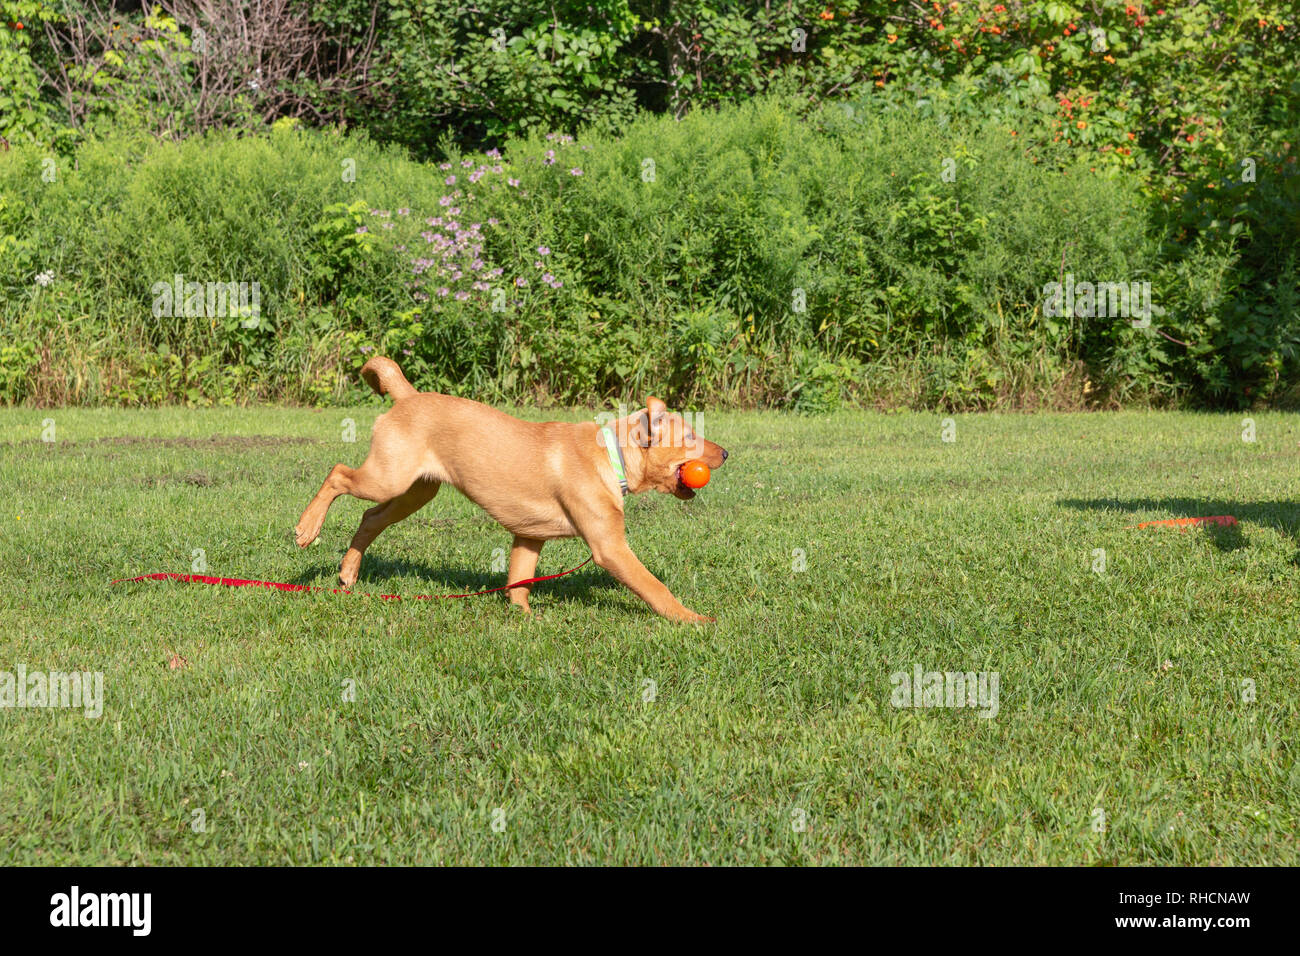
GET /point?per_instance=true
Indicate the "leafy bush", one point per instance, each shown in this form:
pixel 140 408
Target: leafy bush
pixel 744 256
pixel 839 235
pixel 23 113
pixel 128 214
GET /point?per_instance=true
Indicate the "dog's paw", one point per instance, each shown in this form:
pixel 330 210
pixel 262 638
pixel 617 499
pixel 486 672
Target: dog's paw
pixel 304 536
pixel 694 618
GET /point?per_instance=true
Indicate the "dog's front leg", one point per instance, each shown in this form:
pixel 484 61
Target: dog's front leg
pixel 617 558
pixel 523 564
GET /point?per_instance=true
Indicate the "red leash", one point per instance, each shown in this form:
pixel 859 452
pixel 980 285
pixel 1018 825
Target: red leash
pixel 245 582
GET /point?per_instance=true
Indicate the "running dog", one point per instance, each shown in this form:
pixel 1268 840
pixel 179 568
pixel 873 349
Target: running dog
pixel 539 480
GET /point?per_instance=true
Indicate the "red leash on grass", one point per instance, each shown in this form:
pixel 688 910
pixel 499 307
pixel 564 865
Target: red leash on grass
pixel 246 582
pixel 1226 521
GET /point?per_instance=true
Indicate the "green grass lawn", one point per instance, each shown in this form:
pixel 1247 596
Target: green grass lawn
pixel 1123 691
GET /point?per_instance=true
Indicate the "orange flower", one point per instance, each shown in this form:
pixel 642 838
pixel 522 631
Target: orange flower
pixel 1081 124
pixel 892 37
pixel 826 15
pixel 1108 58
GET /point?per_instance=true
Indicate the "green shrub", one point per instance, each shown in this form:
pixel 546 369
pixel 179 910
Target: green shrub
pixel 129 213
pixel 838 234
pixel 764 254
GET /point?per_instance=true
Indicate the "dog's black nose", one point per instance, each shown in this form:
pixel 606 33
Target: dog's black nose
pixel 724 454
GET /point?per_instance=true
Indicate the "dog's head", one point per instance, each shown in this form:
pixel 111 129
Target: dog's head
pixel 666 442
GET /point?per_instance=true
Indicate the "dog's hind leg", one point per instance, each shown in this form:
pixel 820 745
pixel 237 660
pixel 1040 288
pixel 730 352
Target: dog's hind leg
pixel 370 481
pixel 376 519
pixel 313 517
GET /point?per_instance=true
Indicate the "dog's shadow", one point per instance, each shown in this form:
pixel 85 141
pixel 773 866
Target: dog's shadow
pixel 377 573
pixel 1283 516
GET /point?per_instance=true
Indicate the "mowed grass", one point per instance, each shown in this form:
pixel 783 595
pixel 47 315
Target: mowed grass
pixel 1125 691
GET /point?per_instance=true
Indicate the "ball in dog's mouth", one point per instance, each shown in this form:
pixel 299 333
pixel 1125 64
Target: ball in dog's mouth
pixel 692 475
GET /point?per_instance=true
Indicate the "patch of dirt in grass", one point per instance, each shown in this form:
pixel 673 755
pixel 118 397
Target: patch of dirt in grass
pixel 196 478
pixel 215 442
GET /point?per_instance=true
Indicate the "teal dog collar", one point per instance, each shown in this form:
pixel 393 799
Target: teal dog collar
pixel 615 453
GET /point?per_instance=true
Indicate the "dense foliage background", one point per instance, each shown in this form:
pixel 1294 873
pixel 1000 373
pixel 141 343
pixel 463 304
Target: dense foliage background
pixel 741 202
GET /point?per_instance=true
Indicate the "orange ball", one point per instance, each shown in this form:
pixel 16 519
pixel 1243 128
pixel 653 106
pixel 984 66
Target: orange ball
pixel 694 474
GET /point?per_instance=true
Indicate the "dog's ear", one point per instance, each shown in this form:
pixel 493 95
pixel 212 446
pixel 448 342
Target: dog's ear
pixel 656 411
pixel 638 430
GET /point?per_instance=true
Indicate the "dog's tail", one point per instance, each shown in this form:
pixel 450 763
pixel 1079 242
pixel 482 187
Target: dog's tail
pixel 383 375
